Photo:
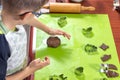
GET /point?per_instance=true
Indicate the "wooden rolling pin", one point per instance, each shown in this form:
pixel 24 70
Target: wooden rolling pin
pixel 67 7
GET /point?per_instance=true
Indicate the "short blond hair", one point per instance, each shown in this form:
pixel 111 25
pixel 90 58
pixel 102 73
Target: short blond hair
pixel 15 6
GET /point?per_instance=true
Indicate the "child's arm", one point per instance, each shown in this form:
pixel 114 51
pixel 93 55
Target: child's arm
pixel 33 21
pixel 33 66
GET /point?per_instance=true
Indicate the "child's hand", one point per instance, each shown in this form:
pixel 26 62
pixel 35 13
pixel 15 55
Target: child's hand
pixel 38 64
pixel 30 19
pixel 59 32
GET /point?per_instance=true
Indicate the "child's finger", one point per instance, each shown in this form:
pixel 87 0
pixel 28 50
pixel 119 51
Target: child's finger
pixel 66 35
pixel 37 60
pixel 47 60
pixel 44 62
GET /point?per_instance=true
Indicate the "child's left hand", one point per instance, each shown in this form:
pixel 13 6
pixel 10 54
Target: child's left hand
pixel 38 64
pixel 59 32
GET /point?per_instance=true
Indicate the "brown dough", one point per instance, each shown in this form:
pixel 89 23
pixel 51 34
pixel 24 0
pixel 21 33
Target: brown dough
pixel 105 57
pixel 53 42
pixel 112 66
pixel 111 74
pixel 104 47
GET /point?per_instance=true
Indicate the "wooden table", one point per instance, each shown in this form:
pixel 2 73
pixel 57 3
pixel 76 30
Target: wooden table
pixel 102 7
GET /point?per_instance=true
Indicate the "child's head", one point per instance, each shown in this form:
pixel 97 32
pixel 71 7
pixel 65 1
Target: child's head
pixel 18 7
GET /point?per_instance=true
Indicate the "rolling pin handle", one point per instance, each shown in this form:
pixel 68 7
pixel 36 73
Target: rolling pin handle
pixel 46 7
pixel 90 8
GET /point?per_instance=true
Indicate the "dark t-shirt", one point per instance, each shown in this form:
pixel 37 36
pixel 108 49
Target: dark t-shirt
pixel 4 55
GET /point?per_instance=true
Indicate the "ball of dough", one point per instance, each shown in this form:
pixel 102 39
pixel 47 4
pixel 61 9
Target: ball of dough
pixel 53 42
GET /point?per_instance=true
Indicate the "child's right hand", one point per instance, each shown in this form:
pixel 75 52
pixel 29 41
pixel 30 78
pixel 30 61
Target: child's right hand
pixel 58 32
pixel 38 64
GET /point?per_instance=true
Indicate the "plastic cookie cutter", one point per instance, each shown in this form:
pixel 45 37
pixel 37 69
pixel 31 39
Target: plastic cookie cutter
pixel 109 66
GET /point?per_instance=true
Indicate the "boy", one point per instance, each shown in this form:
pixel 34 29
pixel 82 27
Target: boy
pixel 13 55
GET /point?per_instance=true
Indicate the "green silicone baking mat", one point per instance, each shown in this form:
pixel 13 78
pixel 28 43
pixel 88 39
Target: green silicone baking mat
pixel 71 54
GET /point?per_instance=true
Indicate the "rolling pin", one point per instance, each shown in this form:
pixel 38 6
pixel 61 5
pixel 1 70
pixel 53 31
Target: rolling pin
pixel 67 7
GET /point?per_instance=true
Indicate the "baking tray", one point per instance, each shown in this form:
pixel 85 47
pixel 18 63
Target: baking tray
pixel 71 54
